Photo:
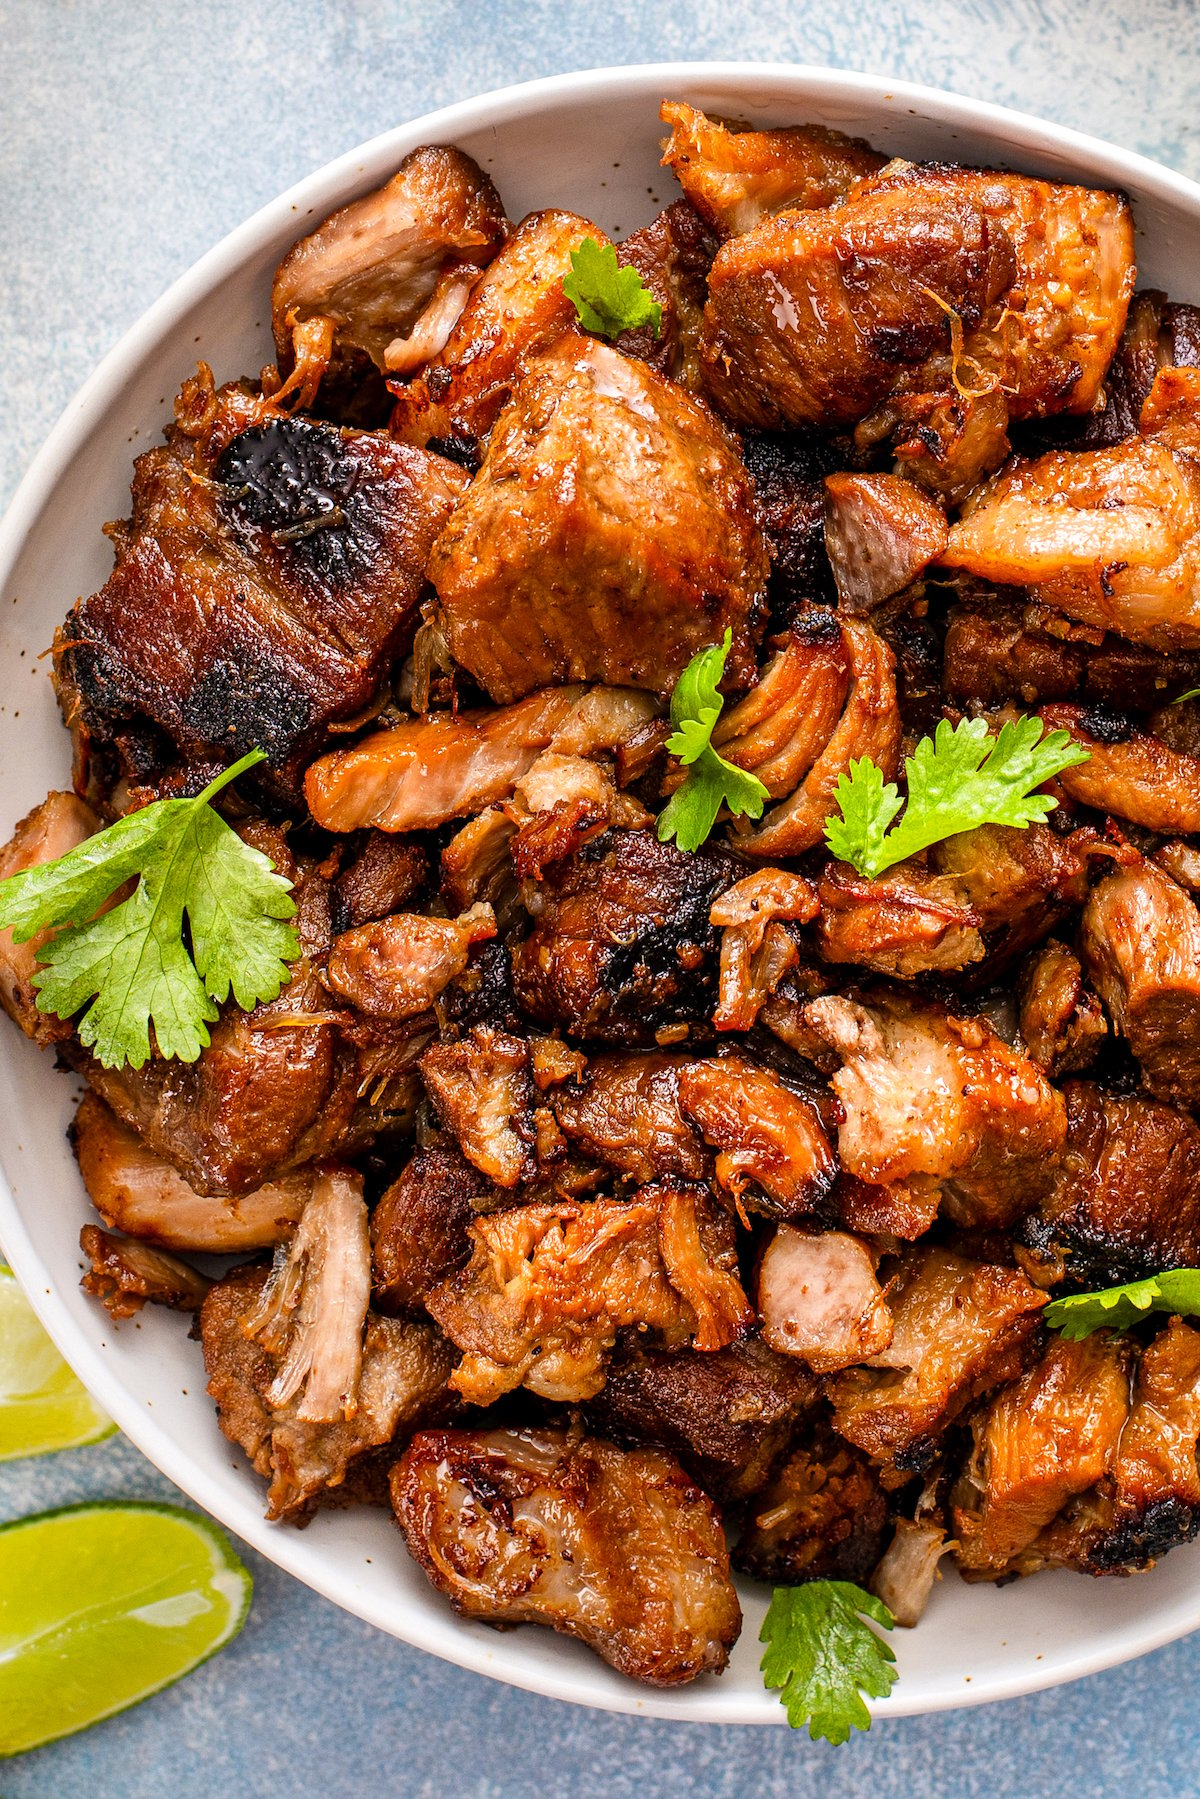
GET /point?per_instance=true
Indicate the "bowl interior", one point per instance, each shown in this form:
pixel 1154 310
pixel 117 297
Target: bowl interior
pixel 590 143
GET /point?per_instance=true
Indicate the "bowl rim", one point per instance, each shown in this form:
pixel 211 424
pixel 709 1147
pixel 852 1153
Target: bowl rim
pixel 83 413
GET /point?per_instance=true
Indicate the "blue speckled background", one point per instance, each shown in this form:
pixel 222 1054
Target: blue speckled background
pixel 132 136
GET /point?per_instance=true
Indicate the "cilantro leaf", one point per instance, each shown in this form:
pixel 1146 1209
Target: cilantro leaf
pixel 959 779
pixel 1116 1308
pixel 607 298
pixel 130 965
pixel 1193 693
pixel 711 783
pixel 823 1655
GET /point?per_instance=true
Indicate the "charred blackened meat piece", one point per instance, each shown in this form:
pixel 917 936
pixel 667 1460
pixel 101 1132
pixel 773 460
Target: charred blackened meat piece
pixel 673 255
pixel 60 824
pixel 374 267
pixel 420 1230
pixel 1157 1500
pixel 1126 1201
pixel 932 1098
pixel 788 469
pixel 549 1286
pixel 306 1380
pixel 1043 1441
pixel 960 1328
pixel 136 1191
pixel 626 1114
pixel 818 1299
pixel 772 1151
pixel 610 534
pixel 726 1413
pixel 824 1517
pixel 621 944
pixel 1140 940
pixel 516 307
pixel 421 773
pixel 125 1274
pixel 483 1093
pixel 1062 1024
pixel 613 1546
pixel 881 532
pixel 992 654
pixel 258 597
pixel 736 176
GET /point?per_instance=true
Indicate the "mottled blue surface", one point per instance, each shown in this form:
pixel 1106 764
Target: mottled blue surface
pixel 131 137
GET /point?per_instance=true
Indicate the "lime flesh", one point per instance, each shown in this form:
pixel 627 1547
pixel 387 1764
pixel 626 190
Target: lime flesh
pixel 42 1405
pixel 103 1604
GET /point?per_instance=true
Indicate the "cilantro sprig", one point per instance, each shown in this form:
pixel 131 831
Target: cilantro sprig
pixel 607 298
pixel 823 1656
pixel 957 780
pixel 207 918
pixel 711 783
pixel 1116 1308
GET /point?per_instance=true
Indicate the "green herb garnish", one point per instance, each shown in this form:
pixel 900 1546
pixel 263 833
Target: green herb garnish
pixel 711 783
pixel 607 298
pixel 1116 1308
pixel 823 1655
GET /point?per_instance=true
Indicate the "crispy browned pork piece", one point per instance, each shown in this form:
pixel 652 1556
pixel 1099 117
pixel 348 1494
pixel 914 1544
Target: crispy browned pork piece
pixel 726 1413
pixel 125 1274
pixel 736 176
pixel 773 1155
pixel 823 1517
pixel 881 532
pixel 1019 883
pixel 59 824
pixel 482 1090
pixel 673 255
pixel 374 267
pixel 626 1114
pixel 1132 774
pixel 788 470
pixel 259 595
pixel 516 308
pixel 828 696
pixel 1042 1441
pixel 613 1546
pixel 307 1381
pixel 908 922
pixel 930 1098
pixel 818 317
pixel 136 1191
pixel 549 1285
pixel 757 949
pixel 398 966
pixel 380 875
pixel 420 1229
pixel 998 650
pixel 621 946
pixel 818 1299
pixel 960 1328
pixel 1111 537
pixel 1140 938
pixel 1062 1024
pixel 420 773
pixel 908 1568
pixel 1126 1201
pixel 610 534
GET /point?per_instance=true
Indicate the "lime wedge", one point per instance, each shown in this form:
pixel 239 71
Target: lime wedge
pixel 103 1604
pixel 42 1405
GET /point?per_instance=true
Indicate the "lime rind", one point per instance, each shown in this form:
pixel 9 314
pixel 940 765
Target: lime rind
pixel 44 1407
pixel 102 1605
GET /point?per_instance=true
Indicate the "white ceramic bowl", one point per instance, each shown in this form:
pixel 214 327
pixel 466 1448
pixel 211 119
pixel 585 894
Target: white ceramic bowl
pixel 588 142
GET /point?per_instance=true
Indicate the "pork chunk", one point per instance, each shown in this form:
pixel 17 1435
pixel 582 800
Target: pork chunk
pixel 615 1547
pixel 610 534
pixel 735 177
pixel 908 922
pixel 818 1299
pixel 125 1274
pixel 60 824
pixel 1132 774
pixel 259 595
pixel 626 1114
pixel 420 1229
pixel 621 945
pixel 673 255
pixel 726 1413
pixel 881 532
pixel 549 1285
pixel 1062 1025
pixel 933 1098
pixel 136 1191
pixel 482 1091
pixel 398 966
pixel 960 1328
pixel 994 653
pixel 1140 939
pixel 823 1517
pixel 373 267
pixel 772 1151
